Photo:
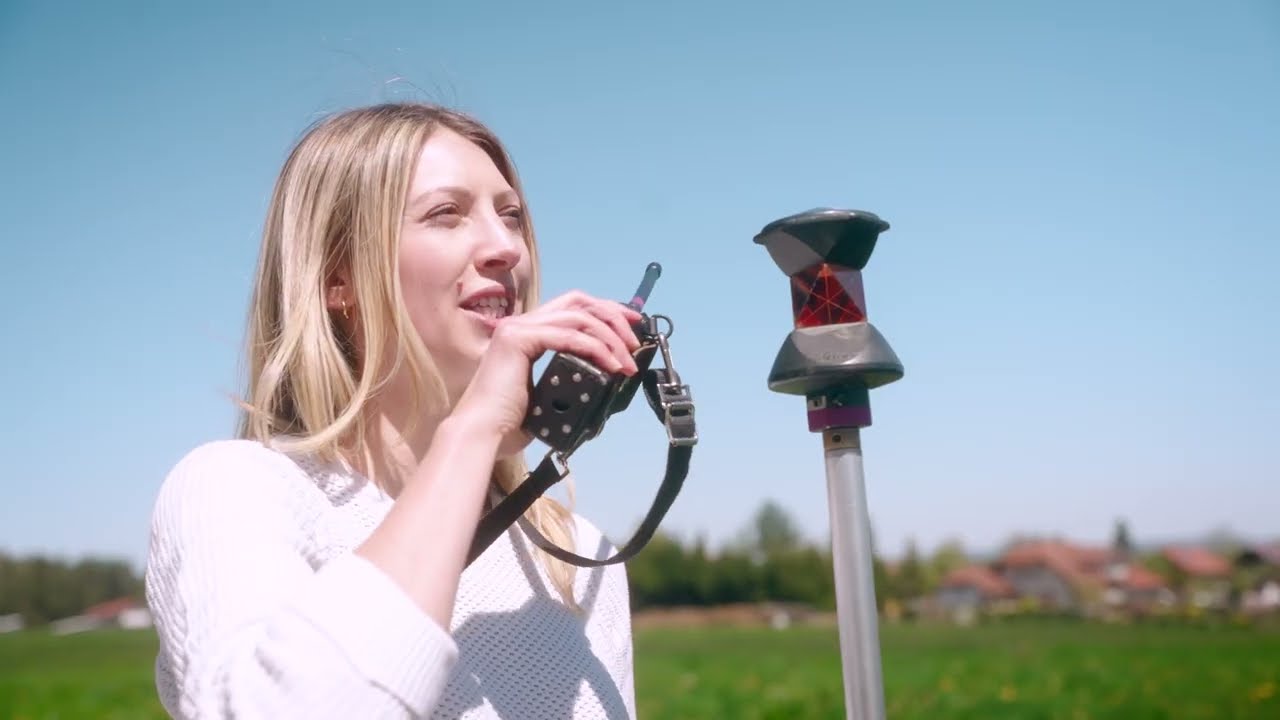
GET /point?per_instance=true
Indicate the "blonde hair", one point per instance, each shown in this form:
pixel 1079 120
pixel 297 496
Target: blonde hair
pixel 338 201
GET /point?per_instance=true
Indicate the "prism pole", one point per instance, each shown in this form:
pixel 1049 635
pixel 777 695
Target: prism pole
pixel 834 357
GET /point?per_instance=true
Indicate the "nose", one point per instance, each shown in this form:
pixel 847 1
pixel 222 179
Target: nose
pixel 500 249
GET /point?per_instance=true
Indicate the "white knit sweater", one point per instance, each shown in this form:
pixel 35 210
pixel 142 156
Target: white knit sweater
pixel 263 611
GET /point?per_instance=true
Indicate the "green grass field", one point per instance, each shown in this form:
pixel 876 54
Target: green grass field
pixel 1040 671
pixel 1029 671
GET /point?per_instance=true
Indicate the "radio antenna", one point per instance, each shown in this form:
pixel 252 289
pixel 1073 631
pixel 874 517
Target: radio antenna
pixel 651 275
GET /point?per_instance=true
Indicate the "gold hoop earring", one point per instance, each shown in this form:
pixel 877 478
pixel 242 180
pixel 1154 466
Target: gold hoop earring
pixel 344 310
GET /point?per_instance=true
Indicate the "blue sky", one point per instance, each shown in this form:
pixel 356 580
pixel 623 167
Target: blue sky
pixel 1079 278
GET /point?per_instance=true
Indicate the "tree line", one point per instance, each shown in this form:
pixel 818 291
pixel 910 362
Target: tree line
pixel 767 561
pixel 42 589
pixel 770 561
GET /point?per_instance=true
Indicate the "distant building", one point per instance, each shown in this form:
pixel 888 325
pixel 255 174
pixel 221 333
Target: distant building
pixel 1132 587
pixel 1204 576
pixel 1100 581
pixel 1053 575
pixel 11 623
pixel 123 613
pixel 971 590
pixel 1056 575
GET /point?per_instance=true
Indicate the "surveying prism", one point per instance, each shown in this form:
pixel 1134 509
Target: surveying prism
pixel 833 357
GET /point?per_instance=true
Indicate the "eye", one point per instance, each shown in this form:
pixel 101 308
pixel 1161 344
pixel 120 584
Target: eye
pixel 514 217
pixel 446 214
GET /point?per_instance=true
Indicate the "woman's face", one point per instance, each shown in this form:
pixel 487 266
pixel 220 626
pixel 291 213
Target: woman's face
pixel 463 257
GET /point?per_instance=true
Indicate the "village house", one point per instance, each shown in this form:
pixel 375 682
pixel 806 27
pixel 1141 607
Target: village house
pixel 972 590
pixel 1201 577
pixel 1068 577
pixel 11 622
pixel 1056 576
pixel 124 613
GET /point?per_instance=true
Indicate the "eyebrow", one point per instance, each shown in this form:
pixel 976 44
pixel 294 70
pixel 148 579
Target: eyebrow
pixel 456 190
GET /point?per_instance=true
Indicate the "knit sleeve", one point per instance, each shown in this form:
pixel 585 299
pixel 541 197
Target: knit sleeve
pixel 248 628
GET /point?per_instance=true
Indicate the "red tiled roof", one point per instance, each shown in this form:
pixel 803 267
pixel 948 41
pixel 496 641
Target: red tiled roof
pixel 981 577
pixel 1078 565
pixel 1140 578
pixel 112 608
pixel 1081 566
pixel 1093 557
pixel 1198 562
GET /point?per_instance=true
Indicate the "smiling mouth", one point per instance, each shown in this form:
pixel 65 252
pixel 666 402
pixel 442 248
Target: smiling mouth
pixel 491 308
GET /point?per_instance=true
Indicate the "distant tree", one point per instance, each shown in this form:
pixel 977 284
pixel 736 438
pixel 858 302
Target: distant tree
pixel 1170 573
pixel 884 583
pixel 803 575
pixel 701 566
pixel 772 532
pixel 1121 542
pixel 660 574
pixel 910 581
pixel 948 556
pixel 733 577
pixel 41 589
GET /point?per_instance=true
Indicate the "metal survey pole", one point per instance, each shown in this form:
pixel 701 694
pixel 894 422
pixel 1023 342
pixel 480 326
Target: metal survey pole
pixel 834 357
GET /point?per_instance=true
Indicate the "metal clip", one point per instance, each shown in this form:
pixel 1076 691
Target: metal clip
pixel 665 347
pixel 561 462
pixel 676 401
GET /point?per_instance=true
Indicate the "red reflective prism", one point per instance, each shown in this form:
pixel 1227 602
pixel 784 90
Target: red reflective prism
pixel 825 294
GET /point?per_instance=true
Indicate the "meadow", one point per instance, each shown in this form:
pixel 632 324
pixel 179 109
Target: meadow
pixel 1030 670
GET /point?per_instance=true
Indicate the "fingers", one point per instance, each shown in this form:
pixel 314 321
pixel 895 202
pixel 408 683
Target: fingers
pixel 586 322
pixel 618 316
pixel 591 347
pixel 564 332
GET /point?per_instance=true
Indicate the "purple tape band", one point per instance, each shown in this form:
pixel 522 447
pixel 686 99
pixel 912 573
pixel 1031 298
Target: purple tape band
pixel 848 416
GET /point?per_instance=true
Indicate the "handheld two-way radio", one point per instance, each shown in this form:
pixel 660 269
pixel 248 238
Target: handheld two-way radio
pixel 570 404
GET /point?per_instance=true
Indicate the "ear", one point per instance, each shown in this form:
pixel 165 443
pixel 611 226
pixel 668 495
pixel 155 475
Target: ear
pixel 339 294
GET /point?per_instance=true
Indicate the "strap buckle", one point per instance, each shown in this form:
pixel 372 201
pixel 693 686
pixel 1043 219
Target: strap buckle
pixel 674 397
pixel 677 408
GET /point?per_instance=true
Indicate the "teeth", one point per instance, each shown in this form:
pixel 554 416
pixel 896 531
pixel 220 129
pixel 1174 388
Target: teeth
pixel 492 306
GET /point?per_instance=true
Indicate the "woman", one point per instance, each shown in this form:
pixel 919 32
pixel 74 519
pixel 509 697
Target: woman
pixel 314 567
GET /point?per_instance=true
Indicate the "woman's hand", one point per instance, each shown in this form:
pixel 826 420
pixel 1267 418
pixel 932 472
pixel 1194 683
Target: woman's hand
pixel 596 330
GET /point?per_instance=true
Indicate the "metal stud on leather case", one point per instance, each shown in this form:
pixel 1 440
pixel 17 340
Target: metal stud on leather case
pixel 568 396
